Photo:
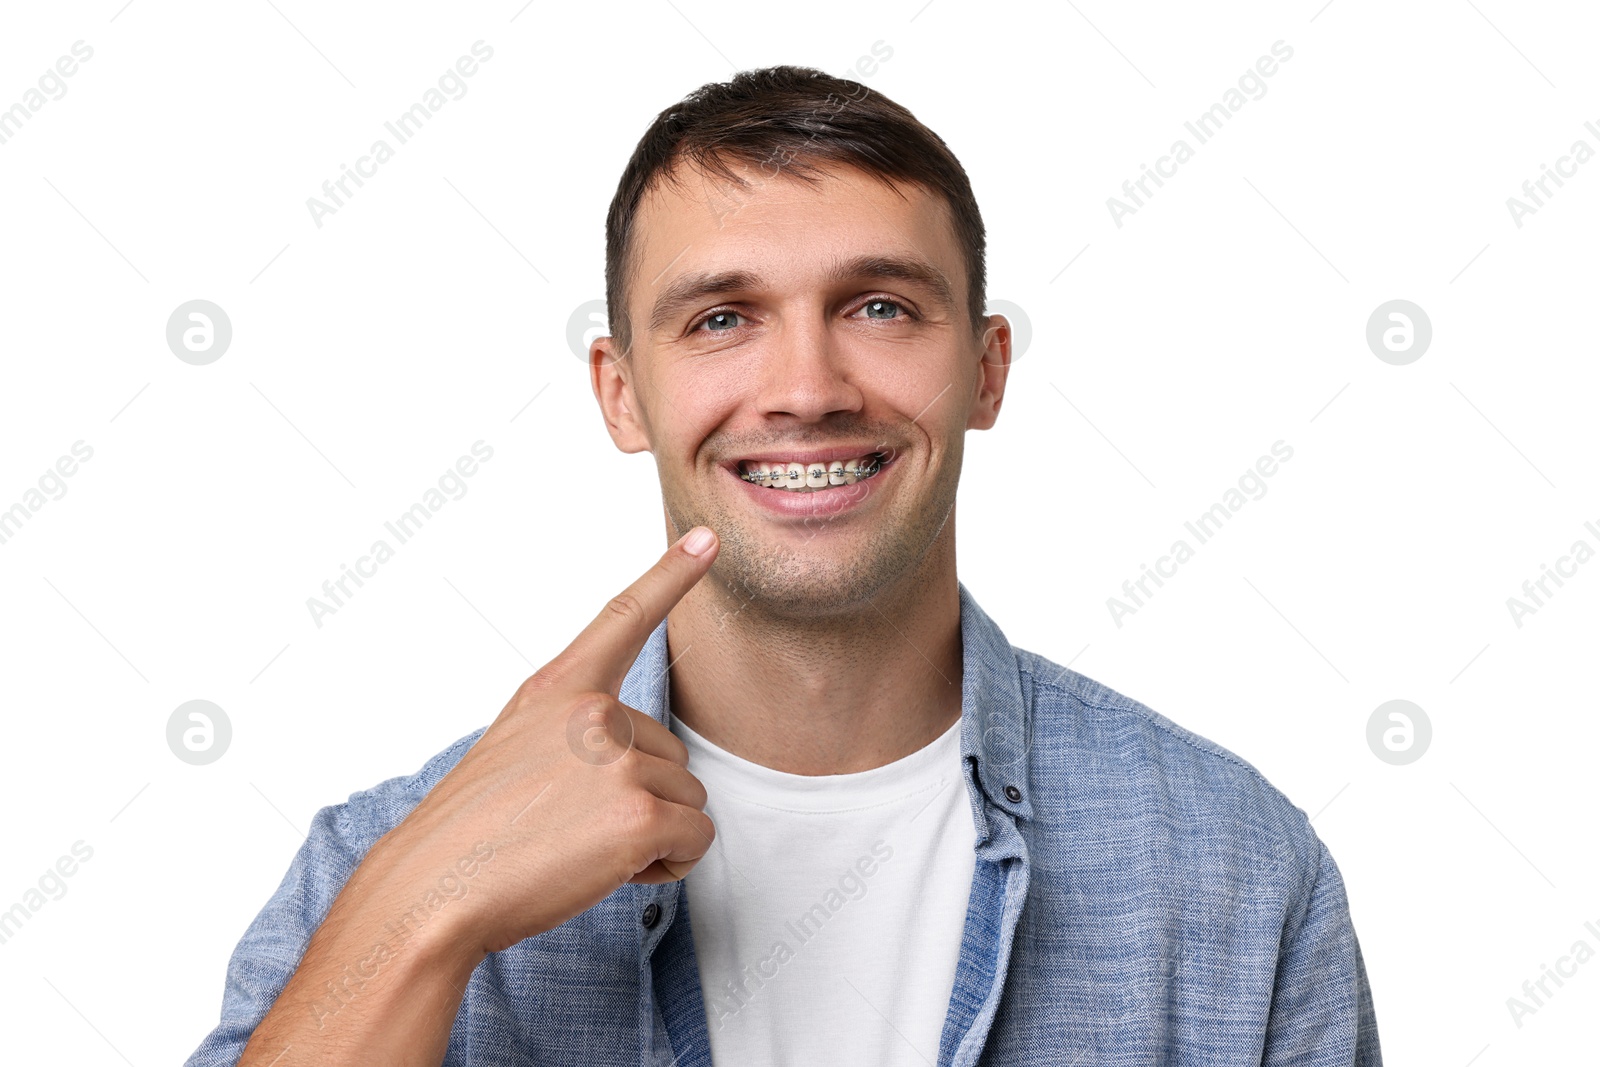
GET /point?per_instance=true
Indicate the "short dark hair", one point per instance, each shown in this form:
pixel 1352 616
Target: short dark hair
pixel 781 117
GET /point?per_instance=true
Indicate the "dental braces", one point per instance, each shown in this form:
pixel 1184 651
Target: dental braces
pixel 796 477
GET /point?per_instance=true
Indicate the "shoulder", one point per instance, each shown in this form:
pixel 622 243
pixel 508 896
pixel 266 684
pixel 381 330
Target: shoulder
pixel 1106 718
pixel 1094 747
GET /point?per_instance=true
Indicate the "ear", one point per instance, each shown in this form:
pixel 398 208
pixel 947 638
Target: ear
pixel 993 366
pixel 611 373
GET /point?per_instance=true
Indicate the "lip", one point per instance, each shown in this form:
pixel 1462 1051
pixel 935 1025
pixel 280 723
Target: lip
pixel 823 505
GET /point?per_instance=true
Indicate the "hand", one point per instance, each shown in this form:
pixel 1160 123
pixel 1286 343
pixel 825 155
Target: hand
pixel 577 793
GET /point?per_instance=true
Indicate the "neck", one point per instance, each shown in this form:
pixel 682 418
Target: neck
pixel 845 693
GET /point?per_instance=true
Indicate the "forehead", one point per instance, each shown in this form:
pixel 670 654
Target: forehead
pixel 783 228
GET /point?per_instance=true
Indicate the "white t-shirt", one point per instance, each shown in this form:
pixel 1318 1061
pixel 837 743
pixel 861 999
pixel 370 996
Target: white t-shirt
pixel 828 914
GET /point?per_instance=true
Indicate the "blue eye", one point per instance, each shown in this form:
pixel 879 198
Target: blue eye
pixel 713 318
pixel 879 305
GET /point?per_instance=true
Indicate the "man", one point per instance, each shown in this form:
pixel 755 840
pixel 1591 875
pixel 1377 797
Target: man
pixel 905 841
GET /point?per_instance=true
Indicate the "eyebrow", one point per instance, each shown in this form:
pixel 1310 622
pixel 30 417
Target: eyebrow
pixel 700 285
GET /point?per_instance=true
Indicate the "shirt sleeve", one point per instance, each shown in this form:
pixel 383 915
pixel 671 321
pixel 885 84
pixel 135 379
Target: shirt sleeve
pixel 1321 1014
pixel 270 950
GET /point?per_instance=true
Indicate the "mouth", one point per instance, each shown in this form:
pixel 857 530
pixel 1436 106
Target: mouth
pixel 810 476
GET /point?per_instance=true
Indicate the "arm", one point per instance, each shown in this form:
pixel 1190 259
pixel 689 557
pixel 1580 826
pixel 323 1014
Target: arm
pixel 312 937
pixel 1321 1013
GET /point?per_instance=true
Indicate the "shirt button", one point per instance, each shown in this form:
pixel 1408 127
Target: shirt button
pixel 652 912
pixel 1013 794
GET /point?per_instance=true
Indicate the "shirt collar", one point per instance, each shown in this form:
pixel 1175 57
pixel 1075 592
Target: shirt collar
pixel 995 727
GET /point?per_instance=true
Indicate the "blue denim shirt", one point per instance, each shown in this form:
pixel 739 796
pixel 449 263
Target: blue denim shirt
pixel 1141 896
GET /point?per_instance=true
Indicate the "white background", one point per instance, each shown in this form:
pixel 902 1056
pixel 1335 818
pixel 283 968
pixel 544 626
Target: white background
pixel 1166 356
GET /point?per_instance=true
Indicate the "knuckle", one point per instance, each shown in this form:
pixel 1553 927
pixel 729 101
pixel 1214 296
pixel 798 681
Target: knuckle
pixel 638 813
pixel 595 733
pixel 541 681
pixel 591 704
pixel 625 606
pixel 687 787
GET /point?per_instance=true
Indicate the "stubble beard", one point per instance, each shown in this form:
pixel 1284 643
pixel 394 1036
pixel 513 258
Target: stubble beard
pixel 807 576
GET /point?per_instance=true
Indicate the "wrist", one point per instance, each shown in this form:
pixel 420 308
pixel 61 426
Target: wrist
pixel 418 907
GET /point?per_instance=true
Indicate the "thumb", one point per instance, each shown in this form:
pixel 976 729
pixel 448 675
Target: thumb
pixel 677 868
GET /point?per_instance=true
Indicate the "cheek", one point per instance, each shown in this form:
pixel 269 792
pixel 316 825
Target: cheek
pixel 684 409
pixel 927 380
pixel 935 402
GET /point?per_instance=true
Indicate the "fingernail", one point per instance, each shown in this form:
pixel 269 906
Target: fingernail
pixel 698 541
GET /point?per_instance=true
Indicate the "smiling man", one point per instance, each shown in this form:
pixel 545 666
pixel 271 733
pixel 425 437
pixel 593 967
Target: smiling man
pixel 903 840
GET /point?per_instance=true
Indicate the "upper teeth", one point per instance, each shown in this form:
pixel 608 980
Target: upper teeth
pixel 808 476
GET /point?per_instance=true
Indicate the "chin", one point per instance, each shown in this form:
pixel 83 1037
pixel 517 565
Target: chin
pixel 804 592
pixel 814 580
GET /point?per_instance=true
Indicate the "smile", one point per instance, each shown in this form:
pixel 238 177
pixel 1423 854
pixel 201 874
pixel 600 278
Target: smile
pixel 810 477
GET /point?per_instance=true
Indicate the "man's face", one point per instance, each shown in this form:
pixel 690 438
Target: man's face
pixel 820 329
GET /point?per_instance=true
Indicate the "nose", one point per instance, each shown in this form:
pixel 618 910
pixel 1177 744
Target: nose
pixel 805 374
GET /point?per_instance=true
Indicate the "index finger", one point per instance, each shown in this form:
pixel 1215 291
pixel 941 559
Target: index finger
pixel 607 647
